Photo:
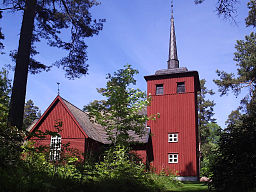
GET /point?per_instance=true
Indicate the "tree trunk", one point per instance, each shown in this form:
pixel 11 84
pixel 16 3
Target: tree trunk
pixel 16 111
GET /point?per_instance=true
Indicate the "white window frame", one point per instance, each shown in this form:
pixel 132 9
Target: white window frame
pixel 159 89
pixel 173 137
pixel 55 148
pixel 181 87
pixel 173 158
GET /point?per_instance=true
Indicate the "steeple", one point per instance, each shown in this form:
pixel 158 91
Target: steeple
pixel 173 61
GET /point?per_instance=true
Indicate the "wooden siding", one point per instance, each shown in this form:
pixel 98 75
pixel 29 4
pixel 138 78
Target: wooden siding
pixel 70 129
pixel 141 154
pixel 177 115
pixel 71 132
pixel 78 144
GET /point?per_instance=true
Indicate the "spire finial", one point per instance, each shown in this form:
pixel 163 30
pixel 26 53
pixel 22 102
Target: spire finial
pixel 171 8
pixel 58 88
pixel 173 61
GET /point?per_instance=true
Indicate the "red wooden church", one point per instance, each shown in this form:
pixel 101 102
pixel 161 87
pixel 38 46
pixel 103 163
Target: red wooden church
pixel 171 142
pixel 77 130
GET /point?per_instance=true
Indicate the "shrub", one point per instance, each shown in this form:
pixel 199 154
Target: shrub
pixel 235 164
pixel 118 172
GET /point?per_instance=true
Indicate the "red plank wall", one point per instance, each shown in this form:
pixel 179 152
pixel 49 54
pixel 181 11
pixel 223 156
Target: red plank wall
pixel 70 130
pixel 178 114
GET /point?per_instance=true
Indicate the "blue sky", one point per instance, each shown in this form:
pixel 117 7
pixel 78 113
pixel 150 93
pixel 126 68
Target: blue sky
pixel 136 32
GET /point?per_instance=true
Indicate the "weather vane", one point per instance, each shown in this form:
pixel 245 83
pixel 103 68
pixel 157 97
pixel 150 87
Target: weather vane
pixel 58 88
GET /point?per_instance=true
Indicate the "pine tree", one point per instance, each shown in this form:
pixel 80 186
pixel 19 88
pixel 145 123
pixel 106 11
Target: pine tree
pixel 234 167
pixel 246 71
pixel 228 9
pixel 46 20
pixel 205 111
pixel 251 19
pixel 208 129
pixel 1 34
pixel 31 113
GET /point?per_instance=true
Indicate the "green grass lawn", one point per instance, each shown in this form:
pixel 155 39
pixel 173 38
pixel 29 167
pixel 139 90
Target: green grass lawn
pixel 190 187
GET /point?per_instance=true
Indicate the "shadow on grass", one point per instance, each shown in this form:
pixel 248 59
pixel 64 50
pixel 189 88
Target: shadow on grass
pixel 191 186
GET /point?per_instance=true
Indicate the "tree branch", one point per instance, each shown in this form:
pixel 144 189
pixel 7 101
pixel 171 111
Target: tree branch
pixel 8 8
pixel 67 11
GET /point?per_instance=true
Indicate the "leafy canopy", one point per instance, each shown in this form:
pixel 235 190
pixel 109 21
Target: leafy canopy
pixel 245 56
pixel 234 167
pixel 228 9
pixel 5 90
pixel 53 18
pixel 10 137
pixel 124 107
pixel 63 24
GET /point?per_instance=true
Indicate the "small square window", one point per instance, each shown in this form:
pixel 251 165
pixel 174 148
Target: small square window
pixel 159 89
pixel 55 148
pixel 180 87
pixel 173 158
pixel 173 137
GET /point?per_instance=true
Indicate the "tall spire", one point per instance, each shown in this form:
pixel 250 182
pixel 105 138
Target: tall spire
pixel 173 61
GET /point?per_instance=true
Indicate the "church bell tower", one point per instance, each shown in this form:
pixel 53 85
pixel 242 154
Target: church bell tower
pixel 175 133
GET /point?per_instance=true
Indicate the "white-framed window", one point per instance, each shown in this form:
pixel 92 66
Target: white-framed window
pixel 181 87
pixel 55 148
pixel 173 137
pixel 173 158
pixel 159 89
